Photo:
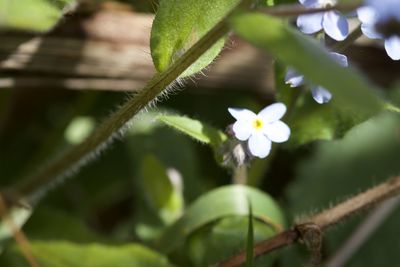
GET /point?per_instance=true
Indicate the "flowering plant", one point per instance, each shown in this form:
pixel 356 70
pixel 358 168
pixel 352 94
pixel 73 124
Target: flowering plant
pixel 152 197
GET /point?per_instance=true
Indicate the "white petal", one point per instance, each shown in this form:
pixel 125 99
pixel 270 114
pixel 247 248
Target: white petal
pixel 392 46
pixel 242 130
pixel 341 59
pixel 259 145
pixel 310 23
pixel 293 78
pixel 309 3
pixel 335 25
pixel 321 95
pixel 272 113
pixel 369 31
pixel 367 15
pixel 242 114
pixel 386 9
pixel 277 131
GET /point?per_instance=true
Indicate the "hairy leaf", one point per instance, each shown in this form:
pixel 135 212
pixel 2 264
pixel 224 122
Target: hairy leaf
pixel 179 24
pixel 195 129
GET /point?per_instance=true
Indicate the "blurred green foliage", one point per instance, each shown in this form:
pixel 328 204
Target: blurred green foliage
pixel 34 15
pixel 67 254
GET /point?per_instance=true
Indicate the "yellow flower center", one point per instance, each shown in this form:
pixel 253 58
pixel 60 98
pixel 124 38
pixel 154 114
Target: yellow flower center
pixel 257 124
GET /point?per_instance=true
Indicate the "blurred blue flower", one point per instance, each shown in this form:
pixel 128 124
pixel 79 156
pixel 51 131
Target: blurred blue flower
pixel 319 93
pixel 332 22
pixel 381 20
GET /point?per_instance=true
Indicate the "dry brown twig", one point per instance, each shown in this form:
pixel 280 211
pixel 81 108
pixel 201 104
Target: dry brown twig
pixel 18 235
pixel 309 230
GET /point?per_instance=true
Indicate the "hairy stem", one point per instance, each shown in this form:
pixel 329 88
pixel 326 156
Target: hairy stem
pixel 33 187
pixel 356 204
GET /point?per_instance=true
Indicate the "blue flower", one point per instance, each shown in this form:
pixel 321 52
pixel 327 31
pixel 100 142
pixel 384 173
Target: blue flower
pixel 332 22
pixel 319 93
pixel 381 20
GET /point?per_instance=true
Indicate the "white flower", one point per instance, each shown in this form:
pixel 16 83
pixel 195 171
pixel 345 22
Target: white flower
pixel 260 129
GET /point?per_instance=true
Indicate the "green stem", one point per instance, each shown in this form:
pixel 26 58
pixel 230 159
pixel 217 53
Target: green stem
pixel 33 187
pixel 240 174
pixel 351 38
pixel 392 108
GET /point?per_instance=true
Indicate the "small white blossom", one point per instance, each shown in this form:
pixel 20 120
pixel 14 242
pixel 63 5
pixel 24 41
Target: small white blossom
pixel 260 129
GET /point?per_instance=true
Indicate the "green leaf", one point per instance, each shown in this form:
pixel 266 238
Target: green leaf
pixel 163 196
pixel 308 120
pixel 394 96
pixel 350 90
pixel 217 204
pixel 60 225
pixel 174 150
pixel 181 23
pixel 66 254
pixel 36 15
pixel 220 240
pixel 250 239
pixel 195 129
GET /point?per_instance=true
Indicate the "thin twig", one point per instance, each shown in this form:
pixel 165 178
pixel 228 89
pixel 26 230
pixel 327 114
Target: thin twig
pixel 18 235
pixel 350 39
pixel 363 232
pixel 323 220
